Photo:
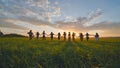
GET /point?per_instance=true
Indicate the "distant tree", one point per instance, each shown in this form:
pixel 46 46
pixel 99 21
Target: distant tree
pixel 1 33
pixel 13 35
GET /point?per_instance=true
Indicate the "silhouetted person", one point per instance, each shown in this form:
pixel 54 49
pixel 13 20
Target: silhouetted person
pixel 30 34
pixel 51 35
pixel 69 36
pixel 43 33
pixel 81 36
pixel 73 36
pixel 59 35
pixel 37 35
pixel 64 34
pixel 97 36
pixel 87 36
pixel 1 34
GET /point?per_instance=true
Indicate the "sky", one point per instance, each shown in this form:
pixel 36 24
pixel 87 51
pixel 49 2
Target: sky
pixel 20 16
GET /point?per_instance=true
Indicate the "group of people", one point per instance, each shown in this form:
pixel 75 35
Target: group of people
pixel 81 36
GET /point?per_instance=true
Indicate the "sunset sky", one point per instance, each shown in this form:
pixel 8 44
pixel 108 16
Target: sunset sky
pixel 19 16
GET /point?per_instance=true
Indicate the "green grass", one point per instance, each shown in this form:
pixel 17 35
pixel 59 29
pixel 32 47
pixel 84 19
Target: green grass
pixel 23 53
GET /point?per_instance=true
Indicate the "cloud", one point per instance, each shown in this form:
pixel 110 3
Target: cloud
pixel 32 12
pixel 87 21
pixel 70 19
pixel 7 30
pixel 0 7
pixel 70 23
pixel 29 14
pixel 109 28
pixel 40 9
pixel 39 3
pixel 80 23
pixel 4 22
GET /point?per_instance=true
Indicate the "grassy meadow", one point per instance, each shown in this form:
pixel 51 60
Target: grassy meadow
pixel 18 52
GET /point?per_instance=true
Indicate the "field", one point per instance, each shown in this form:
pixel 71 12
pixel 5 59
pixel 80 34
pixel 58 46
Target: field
pixel 18 52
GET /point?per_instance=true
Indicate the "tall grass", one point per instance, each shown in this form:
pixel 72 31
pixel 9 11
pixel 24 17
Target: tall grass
pixel 23 53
